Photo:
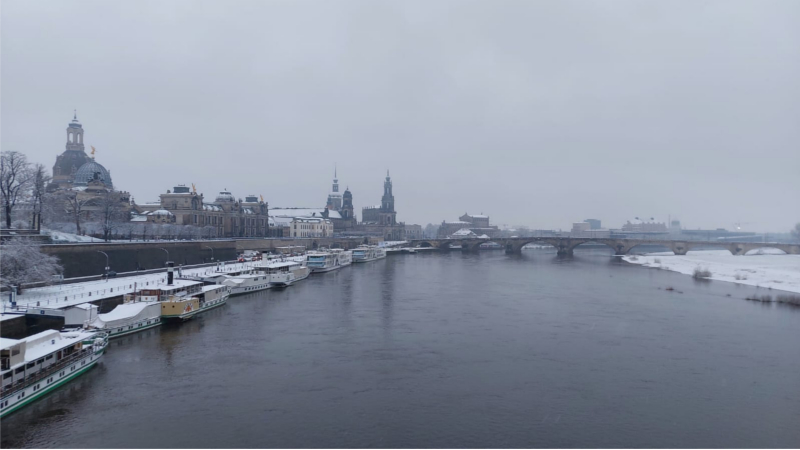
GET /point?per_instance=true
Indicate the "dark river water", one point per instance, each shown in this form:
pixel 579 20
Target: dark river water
pixel 448 350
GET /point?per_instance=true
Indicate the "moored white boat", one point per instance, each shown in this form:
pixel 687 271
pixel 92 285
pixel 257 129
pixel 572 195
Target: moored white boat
pixel 366 253
pixel 36 365
pixel 128 318
pixel 285 273
pixel 327 260
pixel 247 282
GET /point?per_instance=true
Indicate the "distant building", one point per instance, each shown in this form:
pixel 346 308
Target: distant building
pixel 478 224
pixel 311 227
pixel 339 207
pixel 642 226
pixel 579 227
pixel 413 231
pixel 224 217
pixel 381 220
pixel 594 224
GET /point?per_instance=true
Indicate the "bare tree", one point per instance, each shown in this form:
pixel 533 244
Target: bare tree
pixel 111 214
pixel 22 261
pixel 73 205
pixel 38 185
pixel 15 180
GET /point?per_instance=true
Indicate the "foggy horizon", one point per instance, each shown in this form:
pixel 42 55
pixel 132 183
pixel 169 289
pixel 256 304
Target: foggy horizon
pixel 536 114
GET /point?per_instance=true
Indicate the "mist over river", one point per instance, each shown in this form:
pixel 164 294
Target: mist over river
pixel 448 350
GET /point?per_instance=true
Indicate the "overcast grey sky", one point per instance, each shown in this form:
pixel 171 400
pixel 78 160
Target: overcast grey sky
pixel 538 113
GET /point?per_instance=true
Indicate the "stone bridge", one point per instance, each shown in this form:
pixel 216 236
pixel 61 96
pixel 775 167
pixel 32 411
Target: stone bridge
pixel 566 245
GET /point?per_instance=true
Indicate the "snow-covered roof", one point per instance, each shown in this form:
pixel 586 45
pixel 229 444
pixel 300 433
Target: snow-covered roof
pixel 139 218
pixel 458 222
pixel 332 214
pixel 483 236
pixel 477 216
pixel 463 232
pixel 311 219
pixel 6 343
pixel 86 306
pixel 160 212
pixel 211 207
pixel 296 212
pixel 124 311
pixel 280 221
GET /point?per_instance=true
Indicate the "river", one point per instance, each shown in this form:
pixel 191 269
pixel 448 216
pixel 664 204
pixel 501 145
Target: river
pixel 448 350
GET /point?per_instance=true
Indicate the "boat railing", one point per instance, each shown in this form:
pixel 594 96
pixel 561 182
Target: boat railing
pixel 48 371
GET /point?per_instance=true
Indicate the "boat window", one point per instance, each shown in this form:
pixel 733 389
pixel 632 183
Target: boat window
pixel 30 365
pixel 49 357
pixel 7 375
pixel 40 361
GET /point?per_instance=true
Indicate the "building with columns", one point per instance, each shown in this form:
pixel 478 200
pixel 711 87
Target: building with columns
pixel 224 217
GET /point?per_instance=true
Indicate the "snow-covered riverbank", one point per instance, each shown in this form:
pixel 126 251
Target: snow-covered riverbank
pixel 770 271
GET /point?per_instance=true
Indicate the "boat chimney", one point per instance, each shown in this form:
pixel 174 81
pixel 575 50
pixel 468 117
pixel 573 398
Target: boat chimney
pixel 170 266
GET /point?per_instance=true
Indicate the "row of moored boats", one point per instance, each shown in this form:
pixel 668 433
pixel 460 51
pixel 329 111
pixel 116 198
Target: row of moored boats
pixel 35 365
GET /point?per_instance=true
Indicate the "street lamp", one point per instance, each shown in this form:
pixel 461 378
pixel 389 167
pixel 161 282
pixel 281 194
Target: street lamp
pixel 212 252
pixel 107 265
pixel 165 250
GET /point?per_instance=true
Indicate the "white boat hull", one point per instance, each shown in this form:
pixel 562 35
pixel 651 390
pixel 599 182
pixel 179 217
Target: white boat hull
pixel 17 398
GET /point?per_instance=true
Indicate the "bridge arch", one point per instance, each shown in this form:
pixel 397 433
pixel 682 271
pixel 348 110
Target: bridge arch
pixel 690 247
pixel 662 248
pixel 596 243
pixel 759 250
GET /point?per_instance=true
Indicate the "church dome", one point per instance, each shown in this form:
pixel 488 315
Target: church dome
pixel 87 172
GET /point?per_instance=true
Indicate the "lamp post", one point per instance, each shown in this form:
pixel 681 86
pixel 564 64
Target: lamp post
pixel 212 252
pixel 166 251
pixel 107 265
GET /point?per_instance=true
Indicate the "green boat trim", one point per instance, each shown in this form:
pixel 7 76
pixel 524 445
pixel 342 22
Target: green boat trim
pixel 49 389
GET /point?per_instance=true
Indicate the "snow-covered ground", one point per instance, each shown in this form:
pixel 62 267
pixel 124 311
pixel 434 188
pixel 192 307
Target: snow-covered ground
pixel 60 236
pixel 776 271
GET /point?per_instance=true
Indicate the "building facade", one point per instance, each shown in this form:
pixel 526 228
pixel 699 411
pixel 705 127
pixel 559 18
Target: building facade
pixel 477 223
pixel 311 227
pixel 224 217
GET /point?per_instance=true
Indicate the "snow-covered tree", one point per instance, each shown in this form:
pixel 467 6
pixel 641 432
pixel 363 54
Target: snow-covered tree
pixel 110 214
pixel 68 206
pixel 15 181
pixel 22 261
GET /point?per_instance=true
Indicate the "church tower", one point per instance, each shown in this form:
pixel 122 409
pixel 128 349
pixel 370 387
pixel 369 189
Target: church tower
pixel 334 198
pixel 387 214
pixel 73 157
pixel 347 204
pixel 387 201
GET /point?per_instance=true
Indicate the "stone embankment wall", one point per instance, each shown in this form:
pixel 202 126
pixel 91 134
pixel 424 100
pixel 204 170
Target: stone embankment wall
pixel 308 243
pixel 80 260
pixel 85 259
